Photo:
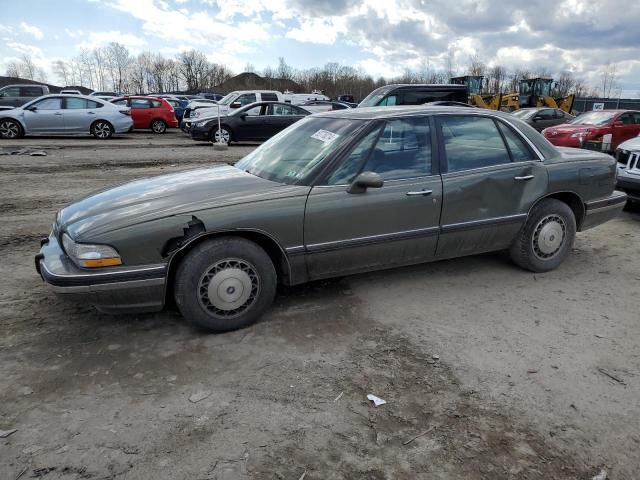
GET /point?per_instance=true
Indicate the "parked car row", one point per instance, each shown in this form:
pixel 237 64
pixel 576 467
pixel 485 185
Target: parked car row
pixel 73 114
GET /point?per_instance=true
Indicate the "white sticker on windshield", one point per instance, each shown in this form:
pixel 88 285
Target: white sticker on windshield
pixel 325 136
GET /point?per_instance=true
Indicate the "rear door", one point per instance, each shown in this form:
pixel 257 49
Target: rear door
pixel 280 116
pixel 491 178
pixel 79 114
pixel 47 117
pixel 381 227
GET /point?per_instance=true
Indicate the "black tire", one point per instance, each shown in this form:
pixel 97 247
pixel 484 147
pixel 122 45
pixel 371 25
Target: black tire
pixel 158 126
pixel 233 264
pixel 227 134
pixel 102 130
pixel 546 239
pixel 10 129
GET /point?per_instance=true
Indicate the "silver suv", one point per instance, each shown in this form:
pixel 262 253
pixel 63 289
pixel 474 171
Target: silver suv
pixel 17 95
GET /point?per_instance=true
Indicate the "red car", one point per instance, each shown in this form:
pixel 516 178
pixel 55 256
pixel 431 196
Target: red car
pixel 592 126
pixel 149 112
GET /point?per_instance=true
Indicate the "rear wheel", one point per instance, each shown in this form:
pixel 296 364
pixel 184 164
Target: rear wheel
pixel 546 239
pixel 225 284
pixel 10 129
pixel 221 136
pixel 158 126
pixel 102 130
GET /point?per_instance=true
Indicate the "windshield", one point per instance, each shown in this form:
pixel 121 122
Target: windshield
pixel 297 150
pixel 593 118
pixel 524 113
pixel 227 99
pixel 374 97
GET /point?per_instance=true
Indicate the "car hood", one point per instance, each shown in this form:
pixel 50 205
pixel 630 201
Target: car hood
pixel 632 144
pixel 164 196
pixel 567 128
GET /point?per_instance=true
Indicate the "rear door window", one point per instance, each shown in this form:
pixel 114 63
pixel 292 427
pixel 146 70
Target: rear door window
pixel 156 103
pixel 269 97
pixel 472 142
pixel 75 103
pixel 517 148
pixel 30 91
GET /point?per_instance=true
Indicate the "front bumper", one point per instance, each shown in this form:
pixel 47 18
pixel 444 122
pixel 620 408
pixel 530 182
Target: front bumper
pixel 200 133
pixel 602 210
pixel 629 182
pixel 111 290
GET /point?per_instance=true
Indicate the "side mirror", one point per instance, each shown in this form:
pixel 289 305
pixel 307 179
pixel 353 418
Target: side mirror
pixel 536 118
pixel 618 123
pixel 243 115
pixel 235 105
pixel 32 108
pixel 365 180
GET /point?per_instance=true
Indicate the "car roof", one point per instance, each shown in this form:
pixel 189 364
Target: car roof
pixel 371 113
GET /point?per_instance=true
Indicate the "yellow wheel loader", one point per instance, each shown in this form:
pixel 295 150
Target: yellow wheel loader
pixel 536 92
pixel 474 85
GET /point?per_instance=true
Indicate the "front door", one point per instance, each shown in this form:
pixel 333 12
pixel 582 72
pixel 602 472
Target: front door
pixel 629 128
pixel 251 124
pixel 47 117
pixel 396 224
pixel 492 179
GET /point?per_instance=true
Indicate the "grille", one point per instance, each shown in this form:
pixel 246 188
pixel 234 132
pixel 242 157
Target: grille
pixel 633 165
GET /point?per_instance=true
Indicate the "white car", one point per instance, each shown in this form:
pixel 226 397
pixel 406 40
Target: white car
pixel 66 115
pixel 628 156
pixel 70 92
pixel 230 102
pixel 302 98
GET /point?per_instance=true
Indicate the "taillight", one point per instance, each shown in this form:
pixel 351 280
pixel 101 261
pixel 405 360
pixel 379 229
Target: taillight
pixel 126 112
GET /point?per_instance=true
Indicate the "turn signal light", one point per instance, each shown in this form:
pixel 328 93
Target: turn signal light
pixel 100 262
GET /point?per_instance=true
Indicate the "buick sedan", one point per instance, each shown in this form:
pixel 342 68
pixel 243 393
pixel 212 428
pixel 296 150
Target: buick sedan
pixel 336 193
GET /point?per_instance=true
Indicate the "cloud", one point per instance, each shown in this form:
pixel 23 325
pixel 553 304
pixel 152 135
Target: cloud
pixel 92 40
pixel 26 49
pixel 31 30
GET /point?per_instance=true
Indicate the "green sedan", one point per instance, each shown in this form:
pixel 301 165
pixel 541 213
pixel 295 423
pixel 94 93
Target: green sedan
pixel 337 193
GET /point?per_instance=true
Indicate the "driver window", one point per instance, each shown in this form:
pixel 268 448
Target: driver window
pixel 254 112
pixel 351 166
pixel 54 103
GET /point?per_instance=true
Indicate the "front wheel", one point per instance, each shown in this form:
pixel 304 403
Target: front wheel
pixel 158 126
pixel 546 239
pixel 102 130
pixel 225 284
pixel 221 136
pixel 10 129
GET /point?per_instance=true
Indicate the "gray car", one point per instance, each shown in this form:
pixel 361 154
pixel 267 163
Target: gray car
pixel 336 193
pixel 628 156
pixel 541 118
pixel 66 115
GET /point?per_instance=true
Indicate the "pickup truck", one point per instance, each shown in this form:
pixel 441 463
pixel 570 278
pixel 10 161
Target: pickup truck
pixel 13 96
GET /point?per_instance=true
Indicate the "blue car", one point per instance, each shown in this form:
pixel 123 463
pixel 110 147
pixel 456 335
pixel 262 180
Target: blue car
pixel 178 106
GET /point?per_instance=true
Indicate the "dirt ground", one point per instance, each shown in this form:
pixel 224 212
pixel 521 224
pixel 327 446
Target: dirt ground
pixel 489 372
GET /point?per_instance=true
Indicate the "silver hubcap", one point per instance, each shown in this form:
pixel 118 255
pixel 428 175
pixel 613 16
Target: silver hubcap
pixel 225 135
pixel 9 129
pixel 102 130
pixel 158 127
pixel 229 287
pixel 548 236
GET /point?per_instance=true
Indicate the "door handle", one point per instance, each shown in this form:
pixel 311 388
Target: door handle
pixel 420 192
pixel 58 114
pixel 526 177
pixel 91 113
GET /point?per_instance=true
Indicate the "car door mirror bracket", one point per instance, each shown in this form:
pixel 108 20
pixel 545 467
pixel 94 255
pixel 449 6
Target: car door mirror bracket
pixel 364 181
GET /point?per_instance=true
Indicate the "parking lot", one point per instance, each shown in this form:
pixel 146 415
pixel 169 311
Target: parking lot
pixel 488 371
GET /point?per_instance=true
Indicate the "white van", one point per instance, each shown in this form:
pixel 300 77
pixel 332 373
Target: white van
pixel 231 102
pixel 300 98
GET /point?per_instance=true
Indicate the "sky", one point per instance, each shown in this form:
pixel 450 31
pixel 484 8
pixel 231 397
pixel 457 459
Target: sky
pixel 380 37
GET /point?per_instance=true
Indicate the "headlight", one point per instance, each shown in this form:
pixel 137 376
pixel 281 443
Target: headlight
pixel 194 113
pixel 580 134
pixel 90 256
pixel 200 124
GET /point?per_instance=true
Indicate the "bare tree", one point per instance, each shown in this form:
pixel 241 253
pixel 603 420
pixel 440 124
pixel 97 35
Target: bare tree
pixel 476 66
pixel 609 80
pixel 284 71
pixel 61 70
pixel 13 69
pixel 28 67
pixel 118 61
